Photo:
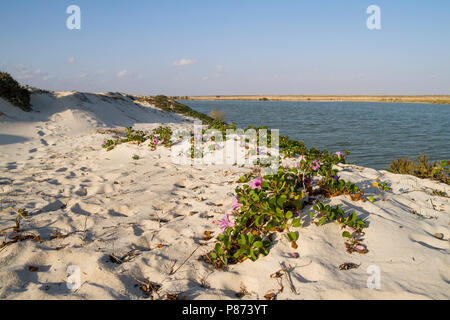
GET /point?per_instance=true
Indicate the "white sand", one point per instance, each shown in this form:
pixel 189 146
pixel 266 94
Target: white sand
pixel 53 165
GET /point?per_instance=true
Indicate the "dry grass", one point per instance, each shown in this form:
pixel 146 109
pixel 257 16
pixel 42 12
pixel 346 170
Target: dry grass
pixel 217 115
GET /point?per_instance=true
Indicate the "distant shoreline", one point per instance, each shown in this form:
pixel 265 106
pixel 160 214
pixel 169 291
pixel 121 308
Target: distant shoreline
pixel 436 99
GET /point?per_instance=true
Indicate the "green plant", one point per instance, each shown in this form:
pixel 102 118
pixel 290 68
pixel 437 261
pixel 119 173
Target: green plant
pixel 423 168
pixel 274 203
pixel 161 135
pixel 217 115
pixel 439 193
pixel 13 92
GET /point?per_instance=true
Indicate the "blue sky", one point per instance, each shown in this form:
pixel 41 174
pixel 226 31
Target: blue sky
pixel 220 47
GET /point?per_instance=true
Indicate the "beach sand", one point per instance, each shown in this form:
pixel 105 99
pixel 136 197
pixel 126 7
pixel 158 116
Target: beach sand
pixel 153 214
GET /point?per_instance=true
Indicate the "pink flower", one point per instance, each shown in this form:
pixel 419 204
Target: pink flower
pixel 350 229
pixel 162 141
pixel 294 255
pixel 339 154
pixel 255 184
pixel 155 141
pixel 236 204
pixel 225 223
pixel 316 165
pixel 359 247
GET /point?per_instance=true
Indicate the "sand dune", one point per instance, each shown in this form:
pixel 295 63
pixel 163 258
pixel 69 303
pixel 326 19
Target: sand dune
pixel 153 214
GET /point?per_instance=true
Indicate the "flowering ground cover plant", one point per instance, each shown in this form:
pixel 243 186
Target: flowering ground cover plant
pixel 159 136
pixel 275 203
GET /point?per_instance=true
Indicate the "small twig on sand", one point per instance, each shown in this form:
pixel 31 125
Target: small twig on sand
pixel 126 258
pixel 172 272
pixel 278 276
pixel 288 274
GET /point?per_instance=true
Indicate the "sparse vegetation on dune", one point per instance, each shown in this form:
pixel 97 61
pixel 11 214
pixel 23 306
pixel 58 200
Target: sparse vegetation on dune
pixel 12 91
pixel 217 115
pixel 159 136
pixel 424 168
pixel 170 105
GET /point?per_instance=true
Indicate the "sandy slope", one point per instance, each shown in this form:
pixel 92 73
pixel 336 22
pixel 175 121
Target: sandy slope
pixel 52 164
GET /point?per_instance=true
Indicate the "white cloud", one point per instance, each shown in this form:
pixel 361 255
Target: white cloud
pixel 71 60
pixel 205 78
pixel 83 75
pixel 219 68
pixel 47 77
pixel 26 74
pixel 122 73
pixel 184 62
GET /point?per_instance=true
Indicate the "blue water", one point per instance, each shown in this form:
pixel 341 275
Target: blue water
pixel 374 133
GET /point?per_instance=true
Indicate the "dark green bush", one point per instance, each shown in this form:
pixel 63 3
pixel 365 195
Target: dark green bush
pixel 12 91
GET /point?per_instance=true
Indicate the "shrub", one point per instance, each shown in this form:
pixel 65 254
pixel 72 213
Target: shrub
pixel 217 115
pixel 12 91
pixel 423 168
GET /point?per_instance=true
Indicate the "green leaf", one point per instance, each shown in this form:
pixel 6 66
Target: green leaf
pixel 252 254
pixel 251 238
pixel 266 244
pixel 346 234
pixel 292 236
pixel 296 223
pixel 265 185
pixel 371 199
pixel 322 221
pixel 289 215
pixel 258 244
pixel 259 220
pixel 242 241
pixel 281 200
